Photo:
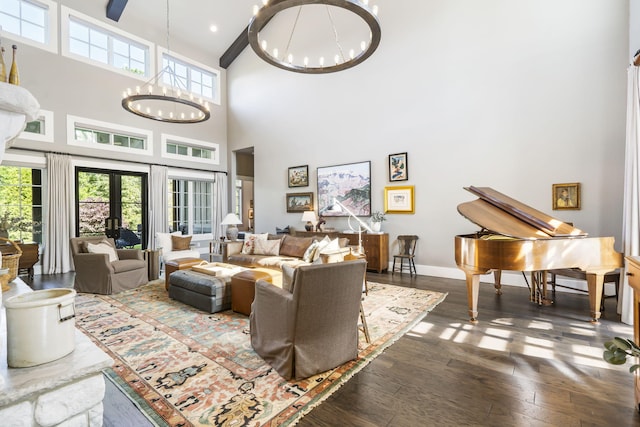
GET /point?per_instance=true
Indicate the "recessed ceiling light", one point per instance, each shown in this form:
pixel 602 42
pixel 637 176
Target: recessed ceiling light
pixel 213 28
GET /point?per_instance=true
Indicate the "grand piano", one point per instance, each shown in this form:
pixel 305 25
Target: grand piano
pixel 517 237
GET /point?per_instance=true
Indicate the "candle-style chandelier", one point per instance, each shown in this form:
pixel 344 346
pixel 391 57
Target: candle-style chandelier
pixel 165 97
pixel 293 51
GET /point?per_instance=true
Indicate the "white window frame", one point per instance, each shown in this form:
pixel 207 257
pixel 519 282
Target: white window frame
pixel 46 117
pixel 212 146
pixel 216 73
pixel 190 176
pixel 51 29
pixel 66 13
pixel 73 121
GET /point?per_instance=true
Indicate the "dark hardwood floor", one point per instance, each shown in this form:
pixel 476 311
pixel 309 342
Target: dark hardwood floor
pixel 521 365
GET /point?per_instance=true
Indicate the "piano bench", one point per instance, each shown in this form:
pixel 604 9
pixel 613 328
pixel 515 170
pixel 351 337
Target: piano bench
pixel 576 273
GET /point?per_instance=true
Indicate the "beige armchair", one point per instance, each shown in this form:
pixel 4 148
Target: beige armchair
pixel 313 326
pixel 98 274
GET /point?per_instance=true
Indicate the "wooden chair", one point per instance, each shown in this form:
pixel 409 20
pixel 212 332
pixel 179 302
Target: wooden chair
pixel 406 252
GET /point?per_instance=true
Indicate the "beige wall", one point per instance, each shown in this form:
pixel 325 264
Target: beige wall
pixel 516 95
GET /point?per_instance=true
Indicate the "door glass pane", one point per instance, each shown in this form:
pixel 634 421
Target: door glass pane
pixel 131 206
pixel 93 202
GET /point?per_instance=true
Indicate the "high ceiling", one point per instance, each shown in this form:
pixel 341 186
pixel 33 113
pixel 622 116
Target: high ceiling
pixel 189 21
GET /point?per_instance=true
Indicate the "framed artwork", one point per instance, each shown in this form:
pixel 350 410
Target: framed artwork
pixel 398 167
pixel 350 184
pixel 299 176
pixel 299 202
pixel 566 196
pixel 399 199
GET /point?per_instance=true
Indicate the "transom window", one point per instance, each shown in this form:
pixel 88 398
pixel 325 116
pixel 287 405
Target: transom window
pixel 187 76
pixel 181 148
pixel 108 136
pixel 101 46
pixel 92 41
pixel 33 21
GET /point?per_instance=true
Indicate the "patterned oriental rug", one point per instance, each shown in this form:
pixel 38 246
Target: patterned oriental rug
pixel 184 367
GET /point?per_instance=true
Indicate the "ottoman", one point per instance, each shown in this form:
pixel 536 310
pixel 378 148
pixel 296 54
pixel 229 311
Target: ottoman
pixel 202 291
pixel 178 264
pixel 243 289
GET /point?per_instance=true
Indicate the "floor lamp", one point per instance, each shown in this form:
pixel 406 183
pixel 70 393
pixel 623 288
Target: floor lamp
pixel 339 207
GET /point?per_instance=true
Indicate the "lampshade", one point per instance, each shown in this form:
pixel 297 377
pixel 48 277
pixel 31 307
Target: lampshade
pixel 231 219
pixel 309 216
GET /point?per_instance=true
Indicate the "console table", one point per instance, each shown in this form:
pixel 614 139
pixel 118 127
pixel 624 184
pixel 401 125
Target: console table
pixel 376 246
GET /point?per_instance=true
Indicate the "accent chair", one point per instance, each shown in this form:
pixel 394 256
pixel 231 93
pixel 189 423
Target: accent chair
pixel 311 324
pixel 103 269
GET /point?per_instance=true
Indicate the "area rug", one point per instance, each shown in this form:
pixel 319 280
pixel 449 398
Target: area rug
pixel 185 367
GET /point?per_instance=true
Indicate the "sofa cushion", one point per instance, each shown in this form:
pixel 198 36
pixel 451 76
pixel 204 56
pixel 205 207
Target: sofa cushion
pixel 294 246
pixel 103 247
pixel 179 243
pixel 249 242
pixel 266 247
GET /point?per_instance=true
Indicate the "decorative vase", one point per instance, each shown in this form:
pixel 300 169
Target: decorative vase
pixel 376 226
pixel 14 77
pixel 3 67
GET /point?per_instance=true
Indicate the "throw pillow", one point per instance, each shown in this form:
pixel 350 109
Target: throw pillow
pixel 249 242
pixel 332 246
pixel 103 247
pixel 294 246
pixel 321 245
pixel 163 240
pixel 266 247
pixel 310 252
pixel 179 243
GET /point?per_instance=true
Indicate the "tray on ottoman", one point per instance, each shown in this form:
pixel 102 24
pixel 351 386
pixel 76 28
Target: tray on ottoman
pixel 202 291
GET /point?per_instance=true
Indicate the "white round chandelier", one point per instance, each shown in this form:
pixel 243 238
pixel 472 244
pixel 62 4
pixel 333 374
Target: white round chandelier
pixel 340 55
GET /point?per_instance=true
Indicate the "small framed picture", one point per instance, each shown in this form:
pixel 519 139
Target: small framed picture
pixel 299 176
pixel 399 199
pixel 299 202
pixel 566 196
pixel 398 167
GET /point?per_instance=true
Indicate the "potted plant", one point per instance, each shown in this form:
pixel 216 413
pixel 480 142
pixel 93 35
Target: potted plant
pixel 376 220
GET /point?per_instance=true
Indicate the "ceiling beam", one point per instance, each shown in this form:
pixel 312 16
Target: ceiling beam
pixel 235 49
pixel 115 9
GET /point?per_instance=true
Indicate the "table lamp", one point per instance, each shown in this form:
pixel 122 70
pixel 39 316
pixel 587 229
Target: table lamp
pixel 310 218
pixel 231 221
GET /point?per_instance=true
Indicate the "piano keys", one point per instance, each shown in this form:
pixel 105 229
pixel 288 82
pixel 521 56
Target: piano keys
pixel 517 237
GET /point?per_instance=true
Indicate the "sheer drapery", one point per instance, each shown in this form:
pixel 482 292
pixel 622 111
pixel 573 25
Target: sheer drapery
pixel 220 203
pixel 60 214
pixel 631 212
pixel 158 203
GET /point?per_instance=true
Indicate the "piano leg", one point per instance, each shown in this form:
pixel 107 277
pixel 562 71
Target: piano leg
pixel 497 276
pixel 595 282
pixel 473 288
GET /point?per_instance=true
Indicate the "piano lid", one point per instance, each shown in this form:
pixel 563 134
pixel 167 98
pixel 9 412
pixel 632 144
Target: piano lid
pixel 501 214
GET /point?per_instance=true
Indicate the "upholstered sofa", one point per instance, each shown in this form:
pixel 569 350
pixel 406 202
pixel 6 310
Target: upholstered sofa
pixel 273 251
pixel 174 245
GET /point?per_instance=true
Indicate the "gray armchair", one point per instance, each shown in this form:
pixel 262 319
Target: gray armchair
pixel 313 326
pixel 96 274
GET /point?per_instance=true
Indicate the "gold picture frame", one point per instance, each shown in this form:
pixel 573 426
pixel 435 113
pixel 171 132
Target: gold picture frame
pixel 399 199
pixel 566 196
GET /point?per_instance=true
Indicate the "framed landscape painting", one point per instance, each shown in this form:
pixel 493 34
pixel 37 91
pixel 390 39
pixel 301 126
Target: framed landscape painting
pixel 398 167
pixel 299 202
pixel 350 184
pixel 299 176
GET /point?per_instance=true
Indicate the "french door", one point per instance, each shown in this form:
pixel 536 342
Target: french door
pixel 112 203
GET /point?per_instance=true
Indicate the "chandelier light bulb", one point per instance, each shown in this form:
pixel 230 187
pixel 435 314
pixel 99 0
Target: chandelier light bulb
pixel 150 89
pixel 363 45
pixel 275 52
pixel 264 2
pixel 124 94
pixel 337 59
pixel 139 107
pixel 171 115
pixel 178 93
pixel 290 58
pixel 321 61
pixel 375 10
pixel 191 96
pixel 352 54
pixel 138 90
pixel 160 113
pixel 182 116
pixel 256 9
pixel 306 61
pixel 148 110
pixel 164 91
pixel 264 45
pixel 128 91
pixel 366 2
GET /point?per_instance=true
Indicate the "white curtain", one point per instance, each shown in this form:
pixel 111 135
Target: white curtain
pixel 631 212
pixel 158 202
pixel 60 214
pixel 220 203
